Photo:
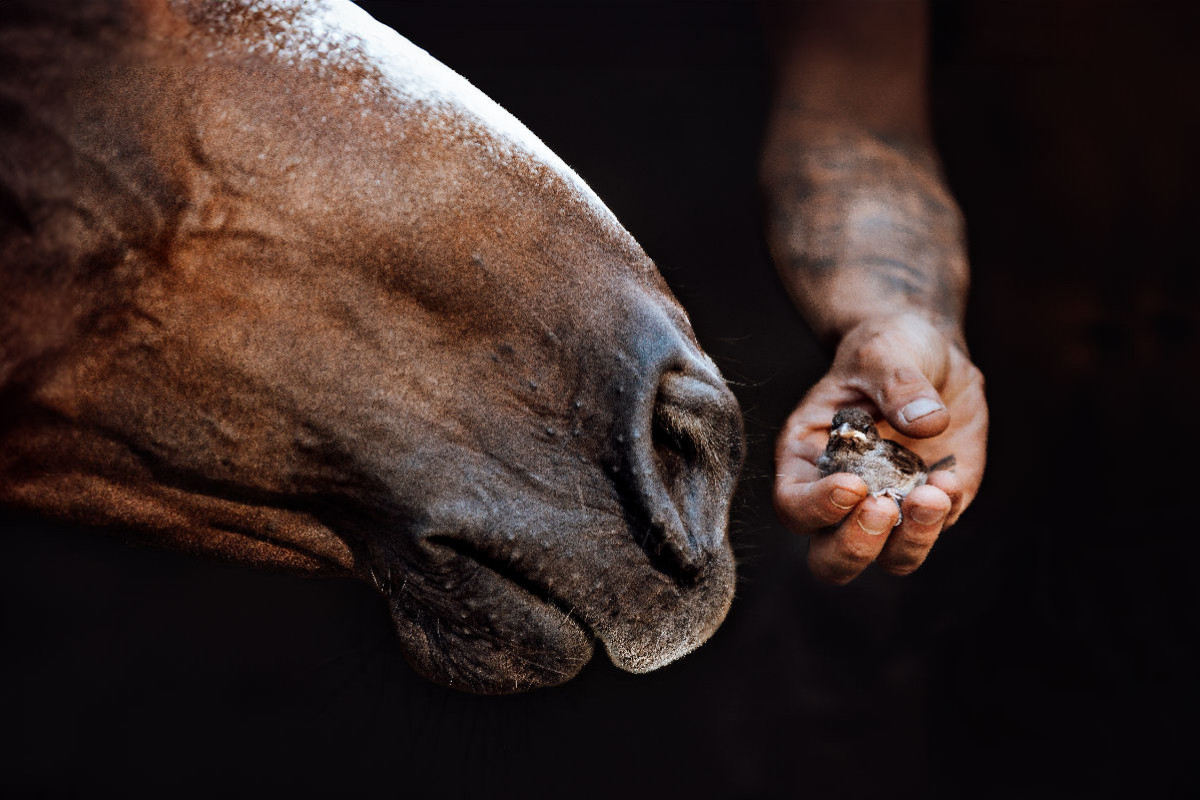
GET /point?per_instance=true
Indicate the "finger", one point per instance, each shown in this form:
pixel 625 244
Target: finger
pixel 797 458
pixel 838 556
pixel 949 483
pixel 899 370
pixel 808 506
pixel 925 510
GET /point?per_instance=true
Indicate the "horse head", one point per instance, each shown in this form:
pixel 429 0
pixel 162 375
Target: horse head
pixel 280 287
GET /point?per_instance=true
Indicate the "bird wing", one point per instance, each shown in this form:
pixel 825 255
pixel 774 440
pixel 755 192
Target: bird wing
pixel 904 459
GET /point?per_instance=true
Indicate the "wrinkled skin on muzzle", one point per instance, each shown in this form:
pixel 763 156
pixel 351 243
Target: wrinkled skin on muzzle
pixel 331 310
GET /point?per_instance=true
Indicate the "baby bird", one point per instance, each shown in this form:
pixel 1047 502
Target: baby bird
pixel 888 467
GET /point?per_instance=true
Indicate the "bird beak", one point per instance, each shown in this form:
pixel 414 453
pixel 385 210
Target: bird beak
pixel 844 431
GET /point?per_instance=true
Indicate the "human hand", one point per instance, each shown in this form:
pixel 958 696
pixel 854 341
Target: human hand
pixel 919 380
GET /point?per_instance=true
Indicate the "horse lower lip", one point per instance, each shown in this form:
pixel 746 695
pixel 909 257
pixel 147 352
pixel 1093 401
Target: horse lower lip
pixel 508 573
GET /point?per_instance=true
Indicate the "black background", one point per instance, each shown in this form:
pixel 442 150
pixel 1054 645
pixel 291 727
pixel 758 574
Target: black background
pixel 1042 651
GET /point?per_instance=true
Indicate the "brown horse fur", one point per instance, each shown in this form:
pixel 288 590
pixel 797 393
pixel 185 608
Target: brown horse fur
pixel 267 296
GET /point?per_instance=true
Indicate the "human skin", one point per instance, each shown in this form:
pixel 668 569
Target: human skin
pixel 871 247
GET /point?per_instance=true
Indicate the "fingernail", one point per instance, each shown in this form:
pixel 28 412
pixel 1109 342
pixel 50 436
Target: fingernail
pixel 844 498
pixel 926 515
pixel 876 522
pixel 921 407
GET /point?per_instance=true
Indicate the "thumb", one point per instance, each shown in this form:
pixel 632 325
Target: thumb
pixel 899 363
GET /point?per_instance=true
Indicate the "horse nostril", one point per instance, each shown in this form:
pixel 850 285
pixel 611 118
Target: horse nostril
pixel 682 437
pixel 675 449
pixel 694 454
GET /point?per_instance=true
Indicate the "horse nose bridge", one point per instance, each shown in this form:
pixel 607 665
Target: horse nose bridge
pixel 684 447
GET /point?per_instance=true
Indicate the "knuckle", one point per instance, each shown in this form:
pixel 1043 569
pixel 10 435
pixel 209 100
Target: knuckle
pixel 906 555
pixel 952 220
pixel 867 348
pixel 799 513
pixel 975 379
pixel 961 501
pixel 827 572
pixel 917 539
pixel 854 552
pixel 878 348
pixel 902 382
pixel 901 568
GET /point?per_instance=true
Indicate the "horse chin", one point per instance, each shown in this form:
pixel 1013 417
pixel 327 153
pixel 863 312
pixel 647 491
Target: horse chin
pixel 492 626
pixel 488 633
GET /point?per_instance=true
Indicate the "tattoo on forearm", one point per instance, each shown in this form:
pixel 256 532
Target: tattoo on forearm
pixel 861 223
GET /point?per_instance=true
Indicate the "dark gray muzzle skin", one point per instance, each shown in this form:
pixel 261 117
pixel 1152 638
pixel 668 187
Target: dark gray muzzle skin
pixel 286 310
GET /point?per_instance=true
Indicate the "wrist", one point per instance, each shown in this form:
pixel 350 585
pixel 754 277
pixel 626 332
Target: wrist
pixel 867 321
pixel 837 326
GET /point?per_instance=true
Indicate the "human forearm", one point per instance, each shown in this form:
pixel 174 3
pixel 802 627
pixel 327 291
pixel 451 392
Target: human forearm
pixel 861 222
pixel 869 242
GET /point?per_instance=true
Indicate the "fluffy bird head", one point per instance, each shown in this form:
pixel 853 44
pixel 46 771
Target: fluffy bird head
pixel 853 429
